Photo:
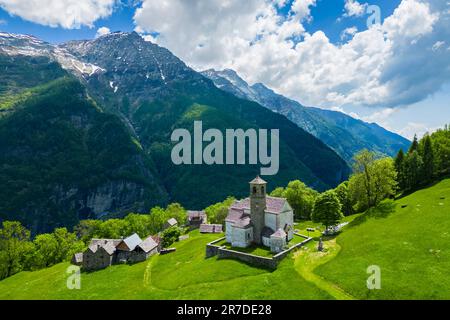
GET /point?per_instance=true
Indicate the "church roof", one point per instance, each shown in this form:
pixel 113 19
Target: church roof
pixel 273 204
pixel 243 223
pixel 258 180
pixel 279 234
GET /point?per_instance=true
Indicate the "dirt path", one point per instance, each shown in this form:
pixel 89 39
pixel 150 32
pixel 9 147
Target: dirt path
pixel 308 260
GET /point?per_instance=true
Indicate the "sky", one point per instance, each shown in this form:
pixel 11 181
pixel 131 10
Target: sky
pixel 383 61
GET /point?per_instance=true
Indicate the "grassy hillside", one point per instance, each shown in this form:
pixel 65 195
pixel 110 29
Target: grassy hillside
pixel 411 245
pixel 408 239
pixel 185 274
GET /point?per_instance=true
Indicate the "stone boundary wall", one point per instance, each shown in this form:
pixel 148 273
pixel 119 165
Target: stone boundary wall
pixel 223 253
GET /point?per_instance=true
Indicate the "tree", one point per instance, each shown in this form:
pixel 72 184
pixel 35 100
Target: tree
pixel 400 168
pixel 87 229
pixel 46 251
pixel 372 181
pixel 300 197
pixel 169 236
pixel 113 229
pixel 344 198
pixel 53 248
pixel 363 162
pixel 138 223
pixel 327 209
pixel 175 210
pixel 427 154
pixel 413 168
pixel 278 192
pixel 14 246
pixel 414 145
pixel 218 212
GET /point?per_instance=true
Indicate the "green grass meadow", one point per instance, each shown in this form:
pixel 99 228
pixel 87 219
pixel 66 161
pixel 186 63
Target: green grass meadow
pixel 409 239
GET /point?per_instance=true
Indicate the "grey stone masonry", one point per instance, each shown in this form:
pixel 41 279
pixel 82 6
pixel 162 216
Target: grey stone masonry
pixel 223 253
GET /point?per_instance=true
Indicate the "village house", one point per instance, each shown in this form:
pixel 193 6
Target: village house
pixel 196 218
pixel 260 220
pixel 102 253
pixel 211 228
pixel 172 222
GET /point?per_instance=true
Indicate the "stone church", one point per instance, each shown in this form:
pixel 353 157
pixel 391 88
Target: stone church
pixel 260 220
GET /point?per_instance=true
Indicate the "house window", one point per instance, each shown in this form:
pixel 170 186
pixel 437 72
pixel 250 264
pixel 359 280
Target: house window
pixel 254 190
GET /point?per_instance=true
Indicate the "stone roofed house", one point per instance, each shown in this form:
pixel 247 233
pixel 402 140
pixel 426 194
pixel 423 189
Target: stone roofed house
pixel 126 247
pixel 260 220
pixel 102 253
pixel 144 250
pixel 196 218
pixel 172 222
pixel 77 259
pixel 211 228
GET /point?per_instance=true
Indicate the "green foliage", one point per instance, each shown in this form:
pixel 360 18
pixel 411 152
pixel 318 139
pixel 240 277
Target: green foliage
pixel 18 253
pixel 373 180
pixel 327 209
pixel 300 197
pixel 87 229
pixel 14 248
pixel 218 212
pixel 426 160
pixel 56 148
pixel 169 236
pixel 343 195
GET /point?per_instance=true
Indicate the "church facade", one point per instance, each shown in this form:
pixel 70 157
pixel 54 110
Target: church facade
pixel 260 219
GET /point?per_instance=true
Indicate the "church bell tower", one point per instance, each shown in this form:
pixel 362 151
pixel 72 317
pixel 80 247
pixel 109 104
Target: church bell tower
pixel 257 207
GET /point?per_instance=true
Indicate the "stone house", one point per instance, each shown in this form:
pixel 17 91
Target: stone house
pixel 211 228
pixel 99 255
pixel 260 220
pixel 126 247
pixel 144 250
pixel 196 218
pixel 172 222
pixel 102 253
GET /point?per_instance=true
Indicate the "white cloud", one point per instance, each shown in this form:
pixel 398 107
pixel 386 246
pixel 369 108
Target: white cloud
pixel 102 31
pixel 381 117
pixel 354 8
pixel 68 14
pixel 3 22
pixel 415 128
pixel 385 66
pixel 348 33
pixel 437 45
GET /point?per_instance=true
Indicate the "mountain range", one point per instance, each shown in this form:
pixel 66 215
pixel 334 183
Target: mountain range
pixel 85 132
pixel 343 133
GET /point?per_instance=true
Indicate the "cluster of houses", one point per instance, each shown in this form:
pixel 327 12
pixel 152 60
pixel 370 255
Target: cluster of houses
pixel 102 253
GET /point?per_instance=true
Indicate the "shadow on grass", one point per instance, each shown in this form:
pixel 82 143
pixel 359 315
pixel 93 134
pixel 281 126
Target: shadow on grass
pixel 383 210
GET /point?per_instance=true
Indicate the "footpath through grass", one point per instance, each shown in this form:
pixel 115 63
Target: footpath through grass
pixel 185 274
pixel 409 240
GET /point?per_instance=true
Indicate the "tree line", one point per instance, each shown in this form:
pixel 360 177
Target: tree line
pixel 18 252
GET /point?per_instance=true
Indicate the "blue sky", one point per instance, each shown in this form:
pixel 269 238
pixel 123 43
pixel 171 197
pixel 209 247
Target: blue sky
pixel 296 47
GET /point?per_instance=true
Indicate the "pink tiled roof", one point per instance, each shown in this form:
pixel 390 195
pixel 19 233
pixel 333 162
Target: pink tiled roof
pixel 273 204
